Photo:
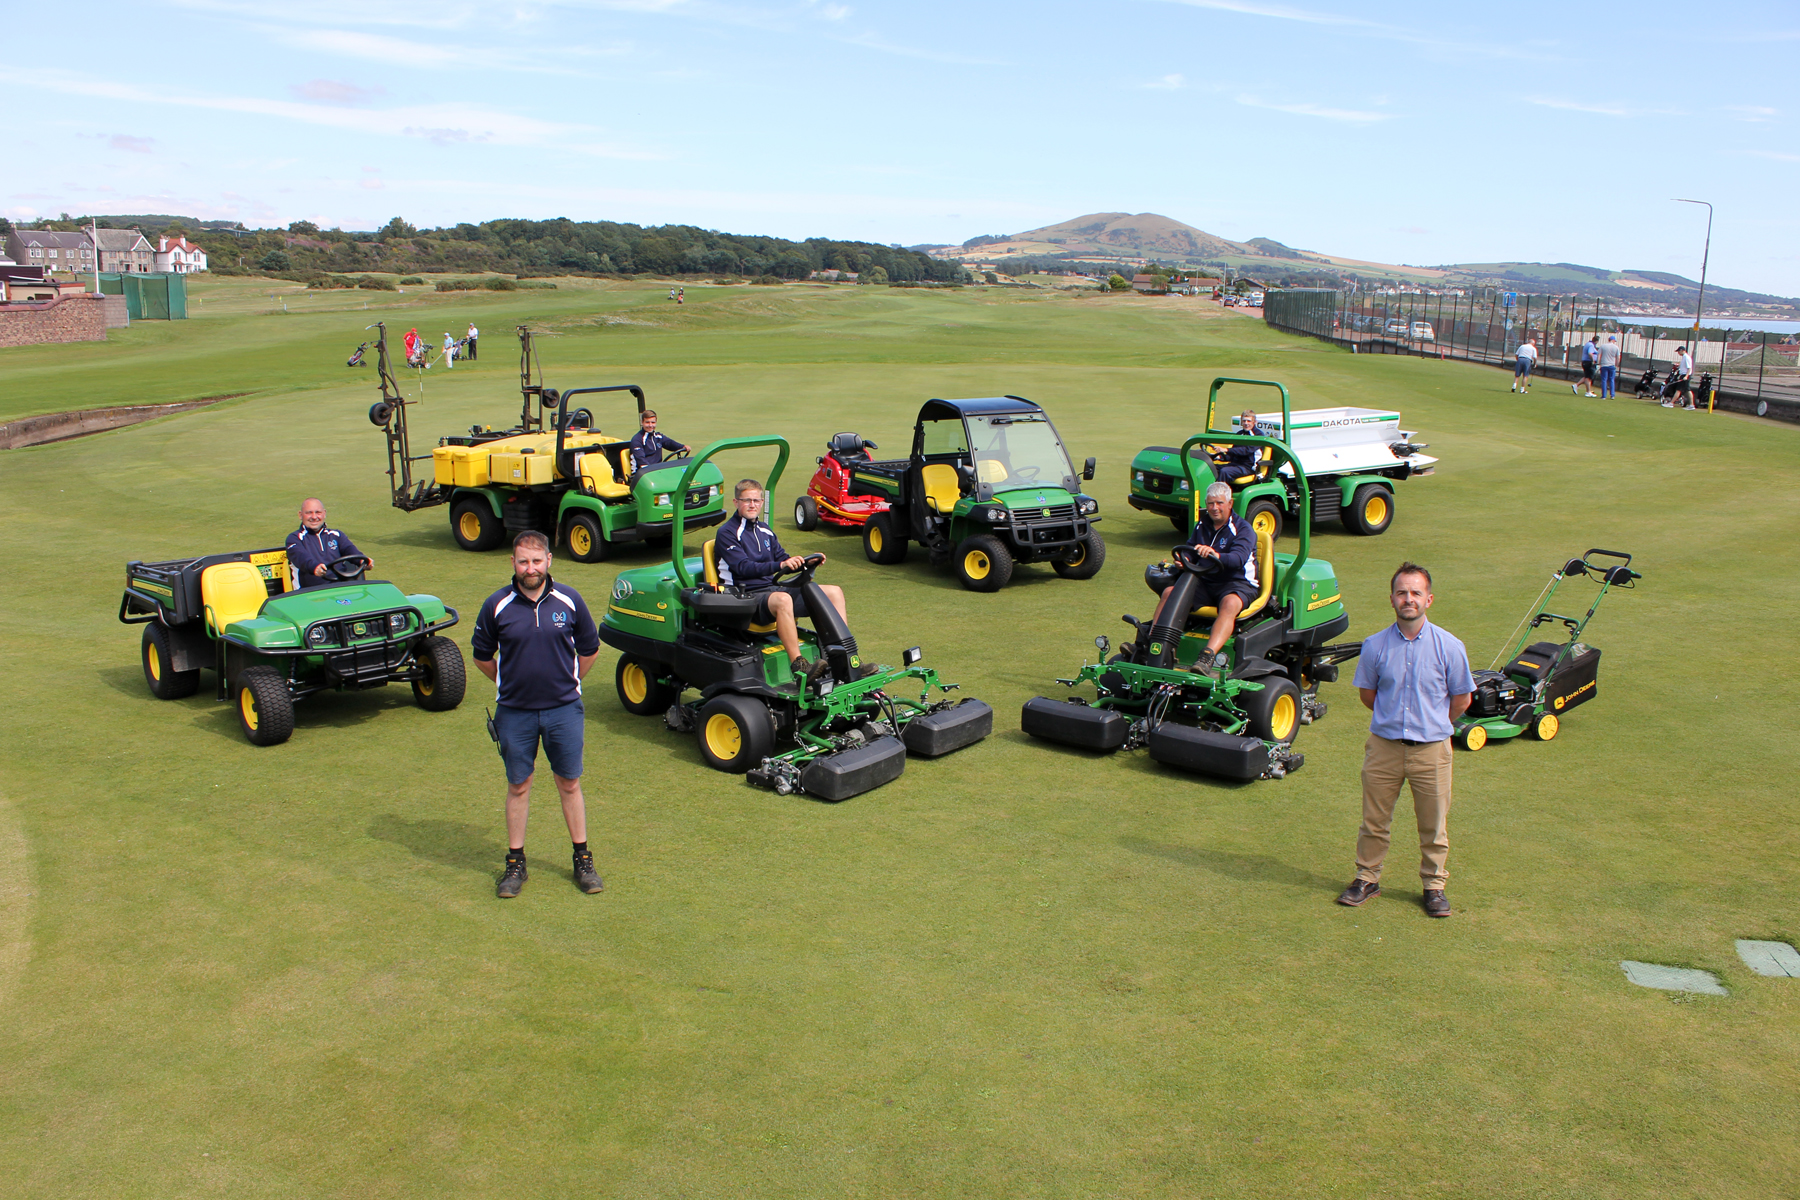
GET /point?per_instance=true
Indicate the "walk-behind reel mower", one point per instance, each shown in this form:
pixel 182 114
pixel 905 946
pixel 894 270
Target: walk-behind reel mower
pixel 1238 726
pixel 679 631
pixel 1543 681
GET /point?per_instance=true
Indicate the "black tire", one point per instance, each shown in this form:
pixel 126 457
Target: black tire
pixel 265 709
pixel 1265 513
pixel 735 733
pixel 882 540
pixel 983 563
pixel 444 681
pixel 1274 712
pixel 1180 522
pixel 640 692
pixel 584 537
pixel 380 413
pixel 165 684
pixel 806 513
pixel 1371 510
pixel 1086 561
pixel 474 525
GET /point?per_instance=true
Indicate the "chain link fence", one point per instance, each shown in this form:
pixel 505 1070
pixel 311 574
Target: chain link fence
pixel 1753 371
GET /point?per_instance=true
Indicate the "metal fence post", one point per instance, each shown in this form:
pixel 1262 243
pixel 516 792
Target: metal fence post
pixel 1762 360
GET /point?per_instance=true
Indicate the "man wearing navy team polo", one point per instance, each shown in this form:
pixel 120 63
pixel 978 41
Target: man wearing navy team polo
pixel 1415 679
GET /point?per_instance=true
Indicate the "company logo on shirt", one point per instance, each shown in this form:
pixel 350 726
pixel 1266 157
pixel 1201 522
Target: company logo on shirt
pixel 559 618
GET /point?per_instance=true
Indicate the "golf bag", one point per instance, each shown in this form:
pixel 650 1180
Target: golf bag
pixel 1647 385
pixel 356 359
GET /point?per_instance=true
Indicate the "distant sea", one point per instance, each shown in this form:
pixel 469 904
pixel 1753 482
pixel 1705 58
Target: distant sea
pixel 1671 323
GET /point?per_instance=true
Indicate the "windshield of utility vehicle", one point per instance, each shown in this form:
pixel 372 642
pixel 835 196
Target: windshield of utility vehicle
pixel 1018 451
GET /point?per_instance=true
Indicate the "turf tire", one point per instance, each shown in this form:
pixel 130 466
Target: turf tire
pixel 1265 513
pixel 1274 712
pixel 165 684
pixel 641 693
pixel 1085 563
pixel 1473 738
pixel 1180 522
pixel 1371 510
pixel 882 540
pixel 1545 727
pixel 983 563
pixel 474 525
pixel 806 513
pixel 444 680
pixel 265 709
pixel 584 537
pixel 735 733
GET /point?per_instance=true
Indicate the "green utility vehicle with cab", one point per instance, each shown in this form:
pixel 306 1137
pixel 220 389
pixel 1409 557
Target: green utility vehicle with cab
pixel 1353 459
pixel 833 734
pixel 553 472
pixel 1237 725
pixel 988 485
pixel 271 643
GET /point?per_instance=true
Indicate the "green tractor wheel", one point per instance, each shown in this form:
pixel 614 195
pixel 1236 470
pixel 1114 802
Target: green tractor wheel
pixel 165 682
pixel 1086 560
pixel 265 709
pixel 983 563
pixel 735 732
pixel 585 538
pixel 442 679
pixel 1274 712
pixel 474 524
pixel 640 692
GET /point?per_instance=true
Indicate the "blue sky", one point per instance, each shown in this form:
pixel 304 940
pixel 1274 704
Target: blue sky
pixel 1406 132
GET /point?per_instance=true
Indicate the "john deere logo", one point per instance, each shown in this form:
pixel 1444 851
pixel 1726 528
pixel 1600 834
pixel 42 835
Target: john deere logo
pixel 1559 703
pixel 1156 647
pixel 1043 512
pixel 855 661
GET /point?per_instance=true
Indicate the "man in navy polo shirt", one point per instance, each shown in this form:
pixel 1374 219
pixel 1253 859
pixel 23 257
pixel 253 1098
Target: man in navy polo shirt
pixel 647 445
pixel 1415 678
pixel 536 640
pixel 314 546
pixel 1222 535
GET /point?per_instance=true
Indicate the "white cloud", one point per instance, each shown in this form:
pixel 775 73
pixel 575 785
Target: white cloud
pixel 1750 112
pixel 1168 83
pixel 1607 109
pixel 335 91
pixel 137 145
pixel 1348 115
pixel 1777 155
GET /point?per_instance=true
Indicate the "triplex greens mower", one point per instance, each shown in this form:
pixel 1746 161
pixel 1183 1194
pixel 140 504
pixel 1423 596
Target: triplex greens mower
pixel 272 643
pixel 1543 681
pixel 1240 726
pixel 677 630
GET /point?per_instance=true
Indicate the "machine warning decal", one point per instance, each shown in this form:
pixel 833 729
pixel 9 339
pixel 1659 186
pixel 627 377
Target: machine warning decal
pixel 632 612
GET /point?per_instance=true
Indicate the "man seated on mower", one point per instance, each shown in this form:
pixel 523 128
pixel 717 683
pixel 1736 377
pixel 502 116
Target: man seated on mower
pixel 750 556
pixel 1223 535
pixel 312 548
pixel 1239 461
pixel 647 445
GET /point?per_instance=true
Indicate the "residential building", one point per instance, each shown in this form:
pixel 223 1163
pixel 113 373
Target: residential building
pixel 71 252
pixel 25 285
pixel 126 251
pixel 179 256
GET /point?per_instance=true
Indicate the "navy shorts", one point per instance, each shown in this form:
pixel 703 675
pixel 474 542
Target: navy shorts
pixel 521 729
pixel 765 617
pixel 1210 592
pixel 1523 367
pixel 1587 370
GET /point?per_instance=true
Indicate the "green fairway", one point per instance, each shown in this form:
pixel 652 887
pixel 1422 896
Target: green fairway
pixel 1016 971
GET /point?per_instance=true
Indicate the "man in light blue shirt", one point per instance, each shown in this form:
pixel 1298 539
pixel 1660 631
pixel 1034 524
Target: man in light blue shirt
pixel 1415 678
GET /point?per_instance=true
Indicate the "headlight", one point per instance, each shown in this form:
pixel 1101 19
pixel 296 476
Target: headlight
pixel 1183 485
pixel 1088 506
pixel 1137 476
pixel 996 515
pixel 315 636
pixel 396 622
pixel 662 500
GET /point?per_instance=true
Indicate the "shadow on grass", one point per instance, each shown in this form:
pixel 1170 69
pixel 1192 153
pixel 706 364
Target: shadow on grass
pixel 464 847
pixel 1247 868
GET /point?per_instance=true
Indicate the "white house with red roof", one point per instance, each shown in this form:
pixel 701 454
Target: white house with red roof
pixel 179 256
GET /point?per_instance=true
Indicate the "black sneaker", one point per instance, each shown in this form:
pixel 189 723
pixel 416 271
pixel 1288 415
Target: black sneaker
pixel 1359 891
pixel 1436 903
pixel 585 877
pixel 513 881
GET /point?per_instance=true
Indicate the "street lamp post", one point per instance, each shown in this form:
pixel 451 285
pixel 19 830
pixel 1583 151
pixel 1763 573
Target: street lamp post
pixel 1700 306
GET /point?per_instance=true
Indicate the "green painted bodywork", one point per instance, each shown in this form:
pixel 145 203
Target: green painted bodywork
pixel 283 620
pixel 646 601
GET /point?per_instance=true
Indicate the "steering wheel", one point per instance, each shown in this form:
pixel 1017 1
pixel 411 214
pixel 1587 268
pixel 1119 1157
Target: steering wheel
pixel 803 572
pixel 1189 559
pixel 1028 473
pixel 347 568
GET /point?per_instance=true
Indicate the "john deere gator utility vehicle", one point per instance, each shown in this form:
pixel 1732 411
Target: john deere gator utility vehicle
pixel 553 472
pixel 1238 726
pixel 1353 459
pixel 271 643
pixel 988 485
pixel 691 652
pixel 1543 681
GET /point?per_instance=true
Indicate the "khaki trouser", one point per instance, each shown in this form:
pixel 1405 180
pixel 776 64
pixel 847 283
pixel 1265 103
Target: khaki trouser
pixel 1426 769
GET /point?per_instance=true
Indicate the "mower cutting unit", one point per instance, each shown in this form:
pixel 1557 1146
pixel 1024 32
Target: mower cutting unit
pixel 552 472
pixel 834 496
pixel 1543 681
pixel 988 485
pixel 271 644
pixel 1237 726
pixel 1353 459
pixel 678 630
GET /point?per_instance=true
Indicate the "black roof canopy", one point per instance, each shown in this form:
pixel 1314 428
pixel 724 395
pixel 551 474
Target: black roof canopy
pixel 950 410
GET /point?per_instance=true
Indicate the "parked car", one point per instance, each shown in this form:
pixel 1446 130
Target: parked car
pixel 1423 332
pixel 1394 329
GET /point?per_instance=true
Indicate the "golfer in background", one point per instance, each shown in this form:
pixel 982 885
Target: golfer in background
pixel 1415 678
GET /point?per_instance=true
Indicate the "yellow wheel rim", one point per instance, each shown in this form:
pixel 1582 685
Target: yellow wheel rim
pixel 247 709
pixel 580 540
pixel 1284 717
pixel 636 684
pixel 427 682
pixel 1080 555
pixel 1264 523
pixel 153 660
pixel 1376 510
pixel 1547 727
pixel 723 737
pixel 470 526
pixel 1476 738
pixel 875 538
pixel 976 565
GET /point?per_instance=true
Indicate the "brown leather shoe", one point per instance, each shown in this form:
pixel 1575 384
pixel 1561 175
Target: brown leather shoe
pixel 1359 891
pixel 1436 903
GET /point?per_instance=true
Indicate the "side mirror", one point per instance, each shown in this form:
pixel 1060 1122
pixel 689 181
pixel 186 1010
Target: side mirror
pixel 1087 471
pixel 967 474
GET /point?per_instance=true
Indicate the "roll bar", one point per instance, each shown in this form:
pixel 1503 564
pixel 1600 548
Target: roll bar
pixel 679 495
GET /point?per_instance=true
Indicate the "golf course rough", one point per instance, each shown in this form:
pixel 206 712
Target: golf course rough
pixel 1026 972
